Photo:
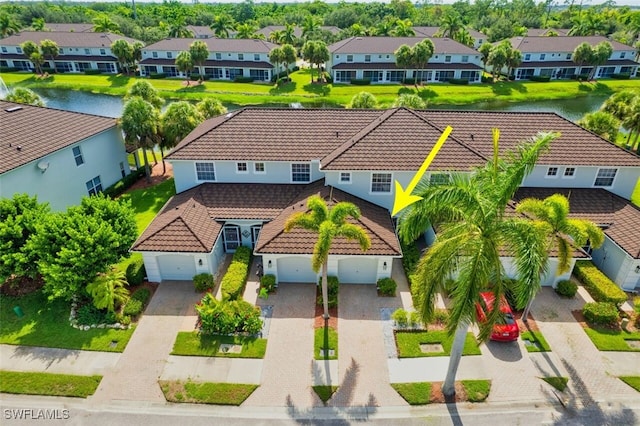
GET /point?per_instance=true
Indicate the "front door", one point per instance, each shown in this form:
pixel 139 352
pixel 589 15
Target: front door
pixel 231 238
pixel 255 232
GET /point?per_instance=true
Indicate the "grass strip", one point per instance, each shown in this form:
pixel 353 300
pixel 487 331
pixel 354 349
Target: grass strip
pixel 195 344
pixel 560 383
pixel 147 202
pixel 49 384
pixel 325 338
pixel 477 390
pixel 409 342
pixel 633 381
pixel 540 344
pixel 325 392
pixel 46 323
pixel 414 393
pixel 612 340
pixel 206 393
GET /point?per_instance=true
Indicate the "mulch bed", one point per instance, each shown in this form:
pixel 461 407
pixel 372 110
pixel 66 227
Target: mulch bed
pixel 156 176
pixel 438 397
pixel 318 321
pixel 145 284
pixel 19 286
pixel 530 325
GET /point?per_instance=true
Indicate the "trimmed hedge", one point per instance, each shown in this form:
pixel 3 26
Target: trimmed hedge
pixel 621 76
pixel 540 78
pixel 268 282
pixel 459 81
pixel 234 280
pixel 601 313
pixel 125 183
pixel 411 81
pixel 600 287
pixel 332 290
pixel 196 76
pixel 135 272
pixel 92 72
pixel 203 282
pixel 387 286
pixel 485 79
pixel 243 79
pixel 360 81
pixel 157 75
pixel 8 69
pixel 142 295
pixel 567 288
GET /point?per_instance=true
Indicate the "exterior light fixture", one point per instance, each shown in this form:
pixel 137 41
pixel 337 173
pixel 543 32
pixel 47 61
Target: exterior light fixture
pixel 269 264
pixel 199 262
pixel 638 269
pixel 384 266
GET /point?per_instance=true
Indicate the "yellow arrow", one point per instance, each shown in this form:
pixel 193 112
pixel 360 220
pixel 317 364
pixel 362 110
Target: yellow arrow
pixel 403 196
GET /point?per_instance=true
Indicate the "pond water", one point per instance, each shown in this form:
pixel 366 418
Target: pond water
pixel 111 106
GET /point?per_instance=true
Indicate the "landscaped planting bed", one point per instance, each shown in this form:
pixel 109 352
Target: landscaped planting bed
pixel 421 393
pixel 206 393
pixel 408 343
pixel 325 338
pixel 196 344
pixel 48 384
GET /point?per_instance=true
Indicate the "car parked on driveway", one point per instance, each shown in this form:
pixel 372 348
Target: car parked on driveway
pixel 506 329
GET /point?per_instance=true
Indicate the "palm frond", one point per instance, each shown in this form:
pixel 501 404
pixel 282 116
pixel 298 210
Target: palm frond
pixel 342 210
pixel 354 232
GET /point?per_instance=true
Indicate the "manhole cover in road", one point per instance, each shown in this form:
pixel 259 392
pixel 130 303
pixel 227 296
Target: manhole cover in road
pixel 634 344
pixel 530 343
pixel 323 352
pixel 227 348
pixel 430 348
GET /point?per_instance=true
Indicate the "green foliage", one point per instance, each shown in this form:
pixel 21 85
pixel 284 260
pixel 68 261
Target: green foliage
pixel 324 392
pixel 538 339
pixel 142 295
pixel 135 271
pixel 197 344
pixel 325 338
pixel 601 288
pixel 604 313
pixel 400 317
pixel 32 383
pixel 607 339
pixel 410 101
pixel 242 79
pixel 409 343
pixel 234 280
pixel 476 390
pixel 332 291
pixel 203 282
pixel 157 75
pixel 633 381
pixel 88 314
pixel 418 393
pixel 410 257
pixel 622 76
pixel 414 319
pixel 210 107
pixel 228 316
pixel 360 81
pixel 92 72
pixel 108 290
pixel 560 383
pixel 206 393
pixel 123 184
pixel 22 95
pixel 540 78
pixel 387 286
pixel 567 288
pixel 363 100
pixel 133 307
pixel 268 282
pixel 459 81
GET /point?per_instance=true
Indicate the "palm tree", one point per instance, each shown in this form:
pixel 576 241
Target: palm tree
pixel 109 290
pixel 329 224
pixel 221 25
pixel 622 106
pixel 404 58
pixel 140 124
pixel 422 52
pixel 289 56
pixel 50 48
pixel 210 107
pixel 485 51
pixel 29 48
pixel 104 24
pixel 451 23
pixel 276 56
pixel 315 52
pixel 178 121
pixel 146 91
pixel 288 35
pixel 472 234
pixel 514 59
pixel 309 26
pixel 8 25
pixel 37 60
pixel 37 24
pixel 403 28
pixel 410 100
pixel 184 64
pixel 123 51
pixel 246 30
pixel 199 54
pixel 137 54
pixel 554 211
pixel 601 123
pixel 632 122
pixel 178 29
pixel 363 100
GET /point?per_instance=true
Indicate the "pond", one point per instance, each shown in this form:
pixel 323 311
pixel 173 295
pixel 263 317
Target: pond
pixel 111 106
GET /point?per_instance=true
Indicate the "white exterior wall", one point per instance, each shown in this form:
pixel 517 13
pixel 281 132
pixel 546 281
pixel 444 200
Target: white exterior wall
pixel 63 184
pixel 550 279
pixel 616 264
pixel 390 58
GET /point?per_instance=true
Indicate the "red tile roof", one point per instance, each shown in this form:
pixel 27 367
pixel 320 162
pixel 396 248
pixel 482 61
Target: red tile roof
pixel 28 133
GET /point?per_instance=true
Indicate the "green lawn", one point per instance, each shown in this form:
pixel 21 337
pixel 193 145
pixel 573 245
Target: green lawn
pixel 560 383
pixel 633 381
pixel 147 202
pixel 325 338
pixel 409 343
pixel 301 89
pixel 324 392
pixel 537 338
pixel 612 340
pixel 48 384
pixel 47 324
pixel 192 343
pixel 477 390
pixel 414 393
pixel 635 197
pixel 206 393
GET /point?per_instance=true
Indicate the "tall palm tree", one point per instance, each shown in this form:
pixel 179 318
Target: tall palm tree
pixel 247 31
pixel 8 25
pixel 451 23
pixel 178 29
pixel 472 234
pixel 288 35
pixel 123 51
pixel 329 224
pixel 37 24
pixel 199 54
pixel 422 52
pixel 289 56
pixel 210 107
pixel 104 24
pixel 404 58
pixel 309 26
pixel 221 25
pixel 50 48
pixel 554 211
pixel 184 64
pixel 140 123
pixel 276 56
pixel 177 121
pixel 403 28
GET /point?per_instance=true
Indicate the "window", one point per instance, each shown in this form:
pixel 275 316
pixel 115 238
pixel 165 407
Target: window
pixel 387 56
pixel 153 54
pixel 241 56
pixel 300 172
pixel 381 182
pixel 367 58
pixel 258 167
pixel 19 49
pixel 465 58
pixel 337 56
pixel 552 172
pixel 205 171
pixel 542 56
pixel 169 55
pixel 568 56
pixel 61 50
pixel 241 167
pixel 94 186
pixel 256 56
pixel 4 49
pixel 349 58
pixel 605 177
pixel 622 55
pixel 439 178
pixel 77 155
pixel 87 51
pixel 447 58
pixel 527 57
pixel 104 52
pixel 569 171
pixel 345 177
pixel 218 56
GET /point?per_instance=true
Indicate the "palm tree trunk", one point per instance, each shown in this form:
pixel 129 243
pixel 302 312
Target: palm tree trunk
pixel 448 388
pixel 146 165
pixel 527 309
pixel 155 159
pixel 164 166
pixel 325 291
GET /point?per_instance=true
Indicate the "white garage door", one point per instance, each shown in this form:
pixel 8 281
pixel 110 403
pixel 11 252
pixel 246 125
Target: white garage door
pixel 358 270
pixel 176 267
pixel 295 270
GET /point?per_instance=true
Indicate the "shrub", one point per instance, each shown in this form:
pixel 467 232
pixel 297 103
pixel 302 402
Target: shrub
pixel 123 319
pixel 203 282
pixel 601 288
pixel 196 76
pixel 234 280
pixel 414 319
pixel 360 81
pixel 459 81
pixel 268 282
pixel 410 257
pixel 88 315
pixel 440 316
pixel 332 290
pixel 400 317
pixel 636 304
pixel 387 286
pixel 328 78
pixel 579 77
pixel 228 316
pixel 410 81
pixel 135 272
pixel 157 75
pixel 133 307
pixel 92 72
pixel 48 70
pixel 566 288
pixel 125 183
pixel 604 313
pixel 486 79
pixel 540 78
pixel 8 69
pixel 142 295
pixel 621 76
pixel 243 79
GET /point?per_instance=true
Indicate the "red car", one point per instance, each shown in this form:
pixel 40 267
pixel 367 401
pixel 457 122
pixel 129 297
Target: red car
pixel 505 330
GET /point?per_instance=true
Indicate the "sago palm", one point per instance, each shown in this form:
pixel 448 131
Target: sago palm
pixel 329 224
pixel 473 233
pixel 109 290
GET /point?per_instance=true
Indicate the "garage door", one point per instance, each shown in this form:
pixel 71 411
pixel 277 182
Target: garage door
pixel 176 267
pixel 295 270
pixel 358 270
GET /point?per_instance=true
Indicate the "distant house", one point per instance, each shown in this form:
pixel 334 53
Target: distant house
pixel 59 156
pixel 552 57
pixel 373 58
pixel 69 28
pixel 239 176
pixel 547 32
pixel 478 37
pixel 228 58
pixel 90 51
pixel 297 31
pixel 201 31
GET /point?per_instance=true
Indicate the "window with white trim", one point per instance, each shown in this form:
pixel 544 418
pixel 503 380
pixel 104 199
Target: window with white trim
pixel 543 56
pixel 447 58
pixel 527 56
pixel 569 172
pixel 349 58
pixel 103 52
pixel 4 49
pixel 169 55
pixel 77 155
pixel 19 49
pixel 367 58
pixel 94 186
pixel 345 177
pixel 153 54
pixel 465 58
pixel 87 51
pixel 241 167
pixel 552 172
pixel 258 168
pixel 300 172
pixel 622 55
pixel 205 171
pixel 605 177
pixel 61 50
pixel 381 182
pixel 218 56
pixel 241 56
pixel 256 56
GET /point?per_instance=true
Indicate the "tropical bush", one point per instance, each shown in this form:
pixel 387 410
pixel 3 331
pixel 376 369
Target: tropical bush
pixel 414 319
pixel 242 79
pixel 387 286
pixel 332 291
pixel 621 76
pixel 108 290
pixel 567 288
pixel 234 280
pixel 540 78
pixel 135 272
pixel 92 72
pixel 459 81
pixel 228 316
pixel 133 307
pixel 601 288
pixel 268 282
pixel 157 75
pixel 88 314
pixel 603 313
pixel 142 295
pixel 400 316
pixel 203 282
pixel 410 257
pixel 360 81
pixel 125 183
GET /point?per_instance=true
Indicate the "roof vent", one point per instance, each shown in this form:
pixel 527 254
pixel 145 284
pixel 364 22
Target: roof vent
pixel 19 147
pixel 13 109
pixel 471 136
